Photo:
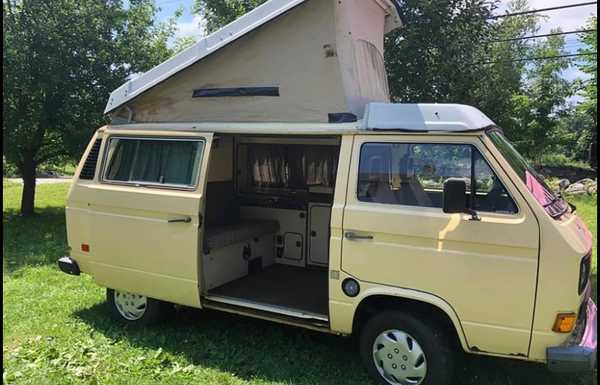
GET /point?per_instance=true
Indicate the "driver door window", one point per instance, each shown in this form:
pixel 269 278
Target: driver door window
pixel 413 174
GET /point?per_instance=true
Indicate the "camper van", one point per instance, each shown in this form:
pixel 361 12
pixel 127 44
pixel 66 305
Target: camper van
pixel 265 172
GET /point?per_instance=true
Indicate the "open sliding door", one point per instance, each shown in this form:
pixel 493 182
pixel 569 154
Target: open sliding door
pixel 146 213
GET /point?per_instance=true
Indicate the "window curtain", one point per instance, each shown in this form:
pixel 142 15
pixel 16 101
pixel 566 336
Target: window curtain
pixel 161 161
pixel 292 166
pixel 319 166
pixel 157 161
pixel 121 159
pixel 267 165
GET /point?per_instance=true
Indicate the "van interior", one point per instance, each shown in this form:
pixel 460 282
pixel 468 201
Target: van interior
pixel 267 215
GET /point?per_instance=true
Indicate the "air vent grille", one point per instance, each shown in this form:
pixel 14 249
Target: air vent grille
pixel 89 167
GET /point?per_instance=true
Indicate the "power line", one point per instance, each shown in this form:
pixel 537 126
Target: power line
pixel 544 10
pixel 542 58
pixel 543 35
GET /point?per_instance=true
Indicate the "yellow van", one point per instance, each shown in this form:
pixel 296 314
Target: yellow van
pixel 418 228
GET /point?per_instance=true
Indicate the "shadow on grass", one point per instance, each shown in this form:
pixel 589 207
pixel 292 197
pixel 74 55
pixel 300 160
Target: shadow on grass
pixel 248 348
pixel 37 240
pixel 255 349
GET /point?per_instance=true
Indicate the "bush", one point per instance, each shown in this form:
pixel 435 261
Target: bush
pixel 9 170
pixel 61 168
pixel 561 160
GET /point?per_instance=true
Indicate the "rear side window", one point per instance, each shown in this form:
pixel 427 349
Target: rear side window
pixel 413 174
pixel 146 161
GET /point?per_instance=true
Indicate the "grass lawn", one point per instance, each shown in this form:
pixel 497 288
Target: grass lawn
pixel 57 329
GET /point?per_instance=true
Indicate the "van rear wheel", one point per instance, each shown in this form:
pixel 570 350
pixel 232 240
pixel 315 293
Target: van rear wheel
pixel 399 349
pixel 135 309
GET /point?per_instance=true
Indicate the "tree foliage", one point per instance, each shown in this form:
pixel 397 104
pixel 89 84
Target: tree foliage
pixel 587 110
pixel 589 65
pixel 437 55
pixel 543 99
pixel 221 12
pixel 61 59
pixel 503 70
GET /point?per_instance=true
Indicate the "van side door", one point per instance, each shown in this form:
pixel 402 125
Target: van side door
pixel 397 235
pixel 146 211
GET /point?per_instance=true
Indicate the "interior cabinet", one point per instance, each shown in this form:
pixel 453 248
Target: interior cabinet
pixel 290 241
pixel 318 234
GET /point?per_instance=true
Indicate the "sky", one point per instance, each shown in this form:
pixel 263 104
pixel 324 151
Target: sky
pixel 568 19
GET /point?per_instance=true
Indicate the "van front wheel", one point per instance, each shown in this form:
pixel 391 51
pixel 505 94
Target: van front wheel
pixel 397 348
pixel 135 309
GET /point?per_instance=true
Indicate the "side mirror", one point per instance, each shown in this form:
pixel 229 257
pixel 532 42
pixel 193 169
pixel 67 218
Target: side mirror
pixel 455 198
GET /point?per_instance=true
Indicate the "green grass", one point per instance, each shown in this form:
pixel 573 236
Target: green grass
pixel 57 329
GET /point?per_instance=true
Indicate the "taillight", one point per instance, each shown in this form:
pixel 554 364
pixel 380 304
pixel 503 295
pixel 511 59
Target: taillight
pixel 584 272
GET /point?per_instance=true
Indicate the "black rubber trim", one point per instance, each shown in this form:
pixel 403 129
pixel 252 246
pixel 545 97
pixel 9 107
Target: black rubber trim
pixel 235 92
pixel 493 128
pixel 342 117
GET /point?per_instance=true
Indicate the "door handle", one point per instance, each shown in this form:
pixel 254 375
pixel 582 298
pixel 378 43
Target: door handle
pixel 180 220
pixel 353 236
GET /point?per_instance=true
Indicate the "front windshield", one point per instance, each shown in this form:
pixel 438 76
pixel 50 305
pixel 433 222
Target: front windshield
pixel 554 205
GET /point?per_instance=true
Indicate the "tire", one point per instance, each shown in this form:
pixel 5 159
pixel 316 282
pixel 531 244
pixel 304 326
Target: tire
pixel 408 350
pixel 133 309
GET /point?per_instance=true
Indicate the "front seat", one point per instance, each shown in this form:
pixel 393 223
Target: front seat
pixel 411 191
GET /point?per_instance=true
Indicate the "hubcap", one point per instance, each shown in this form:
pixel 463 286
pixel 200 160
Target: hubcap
pixel 131 306
pixel 399 358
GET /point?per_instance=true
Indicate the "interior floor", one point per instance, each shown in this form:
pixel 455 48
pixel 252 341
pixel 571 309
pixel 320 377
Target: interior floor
pixel 285 286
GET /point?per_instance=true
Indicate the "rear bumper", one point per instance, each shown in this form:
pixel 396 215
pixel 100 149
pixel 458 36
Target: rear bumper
pixel 69 266
pixel 580 353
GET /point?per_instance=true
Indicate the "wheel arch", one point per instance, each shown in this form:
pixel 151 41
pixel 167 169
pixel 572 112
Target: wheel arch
pixel 419 303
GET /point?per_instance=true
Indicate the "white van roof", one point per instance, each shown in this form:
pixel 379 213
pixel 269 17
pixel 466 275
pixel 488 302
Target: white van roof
pixel 379 117
pixel 424 117
pixel 217 40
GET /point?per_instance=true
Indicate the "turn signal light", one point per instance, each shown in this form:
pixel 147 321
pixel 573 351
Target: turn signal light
pixel 85 247
pixel 565 322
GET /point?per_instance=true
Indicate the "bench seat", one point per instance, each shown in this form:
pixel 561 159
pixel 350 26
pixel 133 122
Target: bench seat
pixel 221 236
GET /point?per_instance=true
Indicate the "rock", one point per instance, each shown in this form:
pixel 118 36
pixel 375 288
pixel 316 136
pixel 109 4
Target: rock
pixel 586 182
pixel 563 184
pixel 593 189
pixel 576 189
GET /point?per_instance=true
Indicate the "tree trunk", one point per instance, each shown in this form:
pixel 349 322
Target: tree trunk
pixel 28 197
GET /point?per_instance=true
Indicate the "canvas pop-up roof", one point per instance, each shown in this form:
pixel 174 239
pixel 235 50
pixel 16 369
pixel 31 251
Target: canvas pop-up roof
pixel 285 61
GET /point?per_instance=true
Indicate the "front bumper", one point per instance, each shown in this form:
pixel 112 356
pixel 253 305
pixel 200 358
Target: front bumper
pixel 579 354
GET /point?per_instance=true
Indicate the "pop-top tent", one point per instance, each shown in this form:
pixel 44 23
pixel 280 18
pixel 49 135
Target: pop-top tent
pixel 285 61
